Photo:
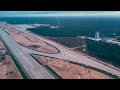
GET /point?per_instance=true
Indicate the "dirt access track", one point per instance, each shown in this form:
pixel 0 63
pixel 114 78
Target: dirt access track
pixel 70 71
pixel 8 69
pixel 29 41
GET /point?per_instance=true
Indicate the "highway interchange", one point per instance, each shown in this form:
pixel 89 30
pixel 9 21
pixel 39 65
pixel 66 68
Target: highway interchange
pixel 34 70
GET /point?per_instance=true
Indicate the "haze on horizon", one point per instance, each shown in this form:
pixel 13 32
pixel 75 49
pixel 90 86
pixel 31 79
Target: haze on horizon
pixel 57 13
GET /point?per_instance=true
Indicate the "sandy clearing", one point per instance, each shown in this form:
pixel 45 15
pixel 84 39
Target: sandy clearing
pixel 71 71
pixel 30 42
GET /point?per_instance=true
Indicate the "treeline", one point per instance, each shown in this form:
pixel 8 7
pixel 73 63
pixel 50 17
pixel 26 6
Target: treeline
pixel 106 51
pixel 68 41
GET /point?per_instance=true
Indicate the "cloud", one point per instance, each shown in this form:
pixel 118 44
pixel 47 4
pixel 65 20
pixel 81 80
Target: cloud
pixel 58 13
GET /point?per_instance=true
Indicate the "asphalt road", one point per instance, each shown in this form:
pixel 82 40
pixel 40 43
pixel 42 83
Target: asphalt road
pixel 65 54
pixel 30 66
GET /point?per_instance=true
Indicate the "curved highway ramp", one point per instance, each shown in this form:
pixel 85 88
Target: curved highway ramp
pixel 34 70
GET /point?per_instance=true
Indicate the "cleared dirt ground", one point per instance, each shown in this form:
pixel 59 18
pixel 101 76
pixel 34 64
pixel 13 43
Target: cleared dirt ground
pixel 8 70
pixel 70 71
pixel 30 42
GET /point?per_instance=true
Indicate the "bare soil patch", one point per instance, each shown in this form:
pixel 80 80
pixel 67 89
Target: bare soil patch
pixel 70 71
pixel 8 69
pixel 30 42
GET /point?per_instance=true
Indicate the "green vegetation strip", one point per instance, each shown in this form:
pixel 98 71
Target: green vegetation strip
pixel 55 75
pixel 51 70
pixel 99 70
pixel 15 61
pixel 90 67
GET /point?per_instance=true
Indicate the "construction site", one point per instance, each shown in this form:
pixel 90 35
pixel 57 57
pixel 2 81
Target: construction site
pixel 60 67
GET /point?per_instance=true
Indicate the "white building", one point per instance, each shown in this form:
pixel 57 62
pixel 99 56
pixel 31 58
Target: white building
pixel 97 36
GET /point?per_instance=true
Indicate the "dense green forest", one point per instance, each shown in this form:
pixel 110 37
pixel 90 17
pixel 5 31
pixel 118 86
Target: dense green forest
pixel 108 52
pixel 72 26
pixel 67 41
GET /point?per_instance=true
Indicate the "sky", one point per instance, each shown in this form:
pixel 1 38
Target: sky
pixel 57 13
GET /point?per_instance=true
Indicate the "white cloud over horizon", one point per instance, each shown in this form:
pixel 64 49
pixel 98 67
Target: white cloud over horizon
pixel 57 13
